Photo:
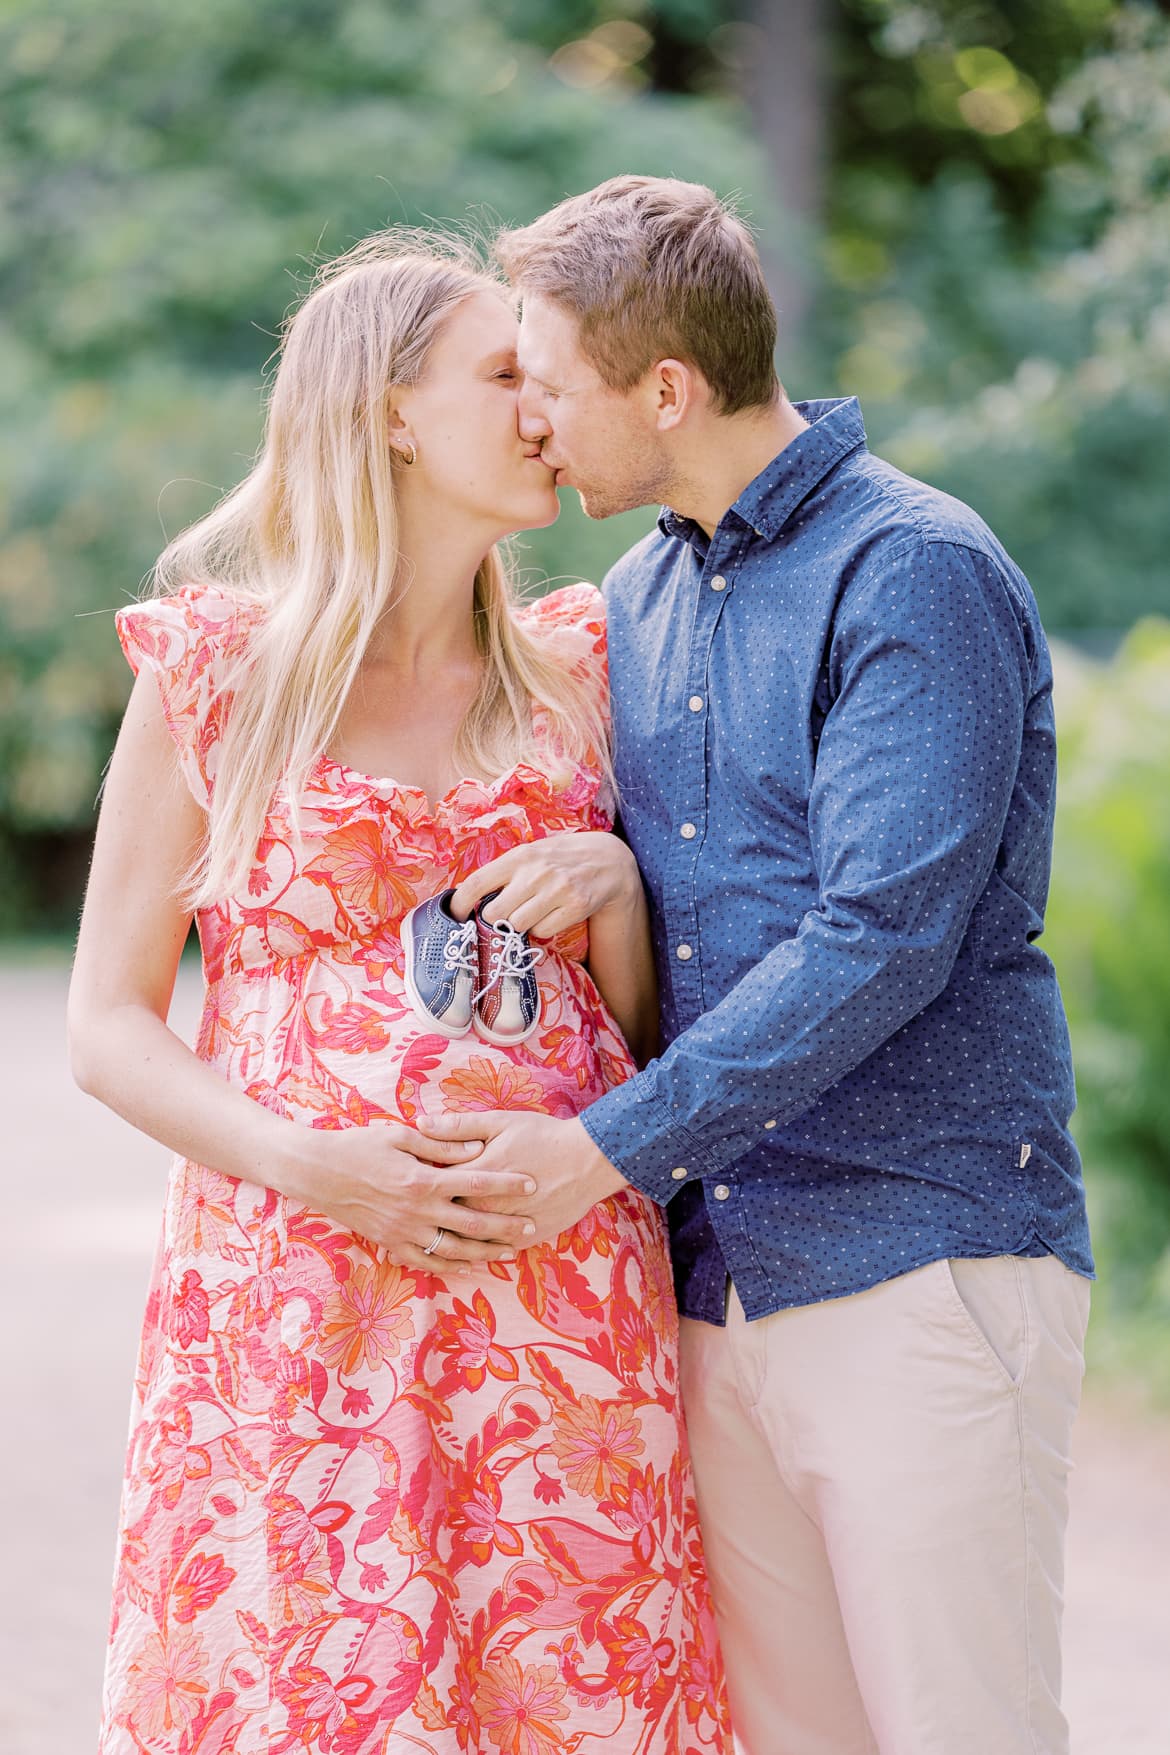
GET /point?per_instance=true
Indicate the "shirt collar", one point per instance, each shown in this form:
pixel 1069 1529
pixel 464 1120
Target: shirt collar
pixel 835 428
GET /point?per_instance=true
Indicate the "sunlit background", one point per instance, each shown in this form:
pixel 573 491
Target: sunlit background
pixel 965 210
pixel 965 214
pixel 964 207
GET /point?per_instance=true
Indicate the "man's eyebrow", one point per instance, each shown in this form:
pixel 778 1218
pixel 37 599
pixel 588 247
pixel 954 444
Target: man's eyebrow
pixel 537 379
pixel 503 356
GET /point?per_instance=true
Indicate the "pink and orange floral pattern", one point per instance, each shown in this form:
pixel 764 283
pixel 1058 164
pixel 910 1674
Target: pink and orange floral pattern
pixel 367 1511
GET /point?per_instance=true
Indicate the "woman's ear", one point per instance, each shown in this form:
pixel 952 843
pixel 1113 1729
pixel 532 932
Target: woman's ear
pixel 398 431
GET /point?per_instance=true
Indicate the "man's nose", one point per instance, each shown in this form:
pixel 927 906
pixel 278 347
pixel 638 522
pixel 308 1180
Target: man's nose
pixel 530 416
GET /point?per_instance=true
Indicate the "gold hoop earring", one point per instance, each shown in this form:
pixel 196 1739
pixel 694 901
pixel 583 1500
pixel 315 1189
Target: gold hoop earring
pixel 408 460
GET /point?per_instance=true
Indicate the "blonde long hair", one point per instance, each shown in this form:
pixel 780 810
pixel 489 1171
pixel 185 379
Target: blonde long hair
pixel 311 537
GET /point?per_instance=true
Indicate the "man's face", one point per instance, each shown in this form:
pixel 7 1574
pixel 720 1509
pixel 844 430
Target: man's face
pixel 603 442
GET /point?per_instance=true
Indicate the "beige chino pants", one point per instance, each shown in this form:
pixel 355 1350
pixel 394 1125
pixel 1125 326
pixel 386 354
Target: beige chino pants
pixel 882 1484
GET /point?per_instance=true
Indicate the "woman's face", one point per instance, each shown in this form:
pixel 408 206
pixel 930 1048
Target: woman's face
pixel 462 421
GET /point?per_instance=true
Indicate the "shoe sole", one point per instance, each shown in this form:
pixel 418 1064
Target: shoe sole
pixel 420 1010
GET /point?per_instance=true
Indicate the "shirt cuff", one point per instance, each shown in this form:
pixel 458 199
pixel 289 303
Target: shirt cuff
pixel 641 1138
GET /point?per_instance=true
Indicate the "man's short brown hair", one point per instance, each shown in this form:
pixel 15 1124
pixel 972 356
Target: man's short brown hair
pixel 653 269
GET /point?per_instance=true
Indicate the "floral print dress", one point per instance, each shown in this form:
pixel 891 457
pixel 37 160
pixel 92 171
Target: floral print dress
pixel 365 1509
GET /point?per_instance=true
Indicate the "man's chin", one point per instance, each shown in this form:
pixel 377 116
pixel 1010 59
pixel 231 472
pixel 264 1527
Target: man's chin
pixel 600 506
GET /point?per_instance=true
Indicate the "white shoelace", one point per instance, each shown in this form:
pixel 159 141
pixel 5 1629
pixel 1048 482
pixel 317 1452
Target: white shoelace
pixel 459 953
pixel 511 956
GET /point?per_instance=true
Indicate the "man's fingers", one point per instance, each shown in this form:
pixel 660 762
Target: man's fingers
pixel 416 1144
pixel 478 1124
pixel 433 1151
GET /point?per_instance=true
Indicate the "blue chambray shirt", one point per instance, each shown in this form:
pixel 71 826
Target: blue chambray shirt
pixel 835 747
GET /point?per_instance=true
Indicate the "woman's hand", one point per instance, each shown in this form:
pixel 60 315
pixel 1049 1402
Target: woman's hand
pixel 384 1182
pixel 550 885
pixel 391 1185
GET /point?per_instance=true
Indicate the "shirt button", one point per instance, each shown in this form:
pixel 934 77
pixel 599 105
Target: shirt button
pixel 769 1124
pixel 695 703
pixel 684 953
pixel 688 831
pixel 722 1192
pixel 719 583
pixel 680 1173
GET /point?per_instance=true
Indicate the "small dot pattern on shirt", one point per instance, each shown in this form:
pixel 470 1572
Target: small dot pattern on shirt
pixel 837 770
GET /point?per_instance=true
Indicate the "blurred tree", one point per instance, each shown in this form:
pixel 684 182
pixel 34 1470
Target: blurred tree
pixel 1109 934
pixel 1003 307
pixel 991 276
pixel 952 85
pixel 780 55
pixel 167 178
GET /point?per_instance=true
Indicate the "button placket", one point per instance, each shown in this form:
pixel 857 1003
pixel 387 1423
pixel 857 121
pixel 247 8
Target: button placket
pixel 680 920
pixel 680 914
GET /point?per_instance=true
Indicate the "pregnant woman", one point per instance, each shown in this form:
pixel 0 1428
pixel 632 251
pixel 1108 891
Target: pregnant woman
pixel 396 1481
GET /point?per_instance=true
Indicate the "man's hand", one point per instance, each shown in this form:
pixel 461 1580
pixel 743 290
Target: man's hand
pixel 571 1175
pixel 551 885
pixel 396 1188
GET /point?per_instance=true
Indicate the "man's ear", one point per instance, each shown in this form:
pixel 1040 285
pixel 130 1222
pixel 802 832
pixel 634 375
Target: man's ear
pixel 676 387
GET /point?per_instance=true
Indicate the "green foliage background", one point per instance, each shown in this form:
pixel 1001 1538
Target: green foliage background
pixel 1108 929
pixel 989 257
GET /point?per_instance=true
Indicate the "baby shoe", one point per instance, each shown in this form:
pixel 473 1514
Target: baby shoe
pixel 507 1006
pixel 442 965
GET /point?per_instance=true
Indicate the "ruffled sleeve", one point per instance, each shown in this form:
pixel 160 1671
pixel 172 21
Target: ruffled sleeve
pixel 189 642
pixel 572 621
pixel 570 624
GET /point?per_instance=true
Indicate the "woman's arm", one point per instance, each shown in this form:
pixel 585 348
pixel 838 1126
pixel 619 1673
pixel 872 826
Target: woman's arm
pixel 133 930
pixel 622 964
pixel 551 885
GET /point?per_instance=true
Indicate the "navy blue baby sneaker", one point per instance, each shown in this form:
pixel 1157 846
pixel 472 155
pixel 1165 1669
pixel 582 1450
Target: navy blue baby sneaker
pixel 442 965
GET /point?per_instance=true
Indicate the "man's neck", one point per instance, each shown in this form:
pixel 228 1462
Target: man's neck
pixel 729 454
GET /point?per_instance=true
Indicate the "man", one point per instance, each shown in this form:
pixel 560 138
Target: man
pixel 834 744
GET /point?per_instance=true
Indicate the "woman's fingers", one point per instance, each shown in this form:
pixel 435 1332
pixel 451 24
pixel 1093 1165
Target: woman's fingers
pixel 574 873
pixel 451 1256
pixel 552 922
pixel 516 902
pixel 495 875
pixel 535 893
pixel 476 1184
pixel 468 1234
pixel 474 1224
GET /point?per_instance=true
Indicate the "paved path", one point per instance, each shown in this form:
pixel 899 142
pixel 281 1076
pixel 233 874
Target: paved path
pixel 81 1194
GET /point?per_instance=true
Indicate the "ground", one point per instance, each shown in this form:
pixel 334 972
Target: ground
pixel 81 1200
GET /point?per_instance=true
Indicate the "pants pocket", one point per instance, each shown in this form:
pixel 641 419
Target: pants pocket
pixel 987 1300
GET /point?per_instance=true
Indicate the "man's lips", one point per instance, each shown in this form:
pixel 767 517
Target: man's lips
pixel 557 470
